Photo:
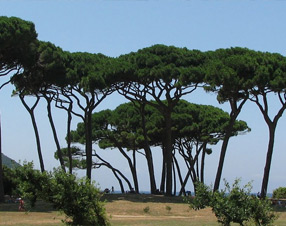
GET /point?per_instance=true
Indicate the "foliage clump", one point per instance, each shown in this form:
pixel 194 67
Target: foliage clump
pixel 79 199
pixel 233 204
pixel 279 193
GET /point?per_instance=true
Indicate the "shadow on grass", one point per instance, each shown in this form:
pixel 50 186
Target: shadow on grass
pixel 40 206
pixel 142 198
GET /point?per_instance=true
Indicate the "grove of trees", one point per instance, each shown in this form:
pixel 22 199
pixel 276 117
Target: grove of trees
pixel 155 80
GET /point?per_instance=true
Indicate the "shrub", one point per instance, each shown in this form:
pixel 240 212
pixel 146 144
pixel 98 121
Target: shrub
pixel 279 193
pixel 79 199
pixel 233 204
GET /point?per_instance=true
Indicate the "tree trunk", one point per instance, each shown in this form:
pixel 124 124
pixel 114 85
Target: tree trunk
pixel 267 167
pixel 59 152
pixel 148 154
pixel 32 115
pixel 174 175
pixel 134 173
pixel 222 156
pixel 69 138
pixel 203 164
pixel 88 144
pixel 131 166
pixel 163 175
pixel 182 190
pixel 168 153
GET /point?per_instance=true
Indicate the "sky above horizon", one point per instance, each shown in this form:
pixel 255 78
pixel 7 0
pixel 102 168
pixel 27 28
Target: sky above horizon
pixel 115 27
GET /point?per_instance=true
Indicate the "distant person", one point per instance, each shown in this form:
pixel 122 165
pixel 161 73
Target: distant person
pixel 112 189
pixel 21 205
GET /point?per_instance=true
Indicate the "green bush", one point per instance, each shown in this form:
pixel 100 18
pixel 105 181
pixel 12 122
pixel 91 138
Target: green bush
pixel 79 199
pixel 279 193
pixel 233 204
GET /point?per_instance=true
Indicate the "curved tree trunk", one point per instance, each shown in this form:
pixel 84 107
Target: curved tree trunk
pixel 88 144
pixel 69 137
pixel 168 153
pixel 148 154
pixel 163 174
pixel 32 115
pixel 268 161
pixel 203 164
pixel 131 166
pixel 59 152
pixel 235 110
pixel 222 156
pixel 134 173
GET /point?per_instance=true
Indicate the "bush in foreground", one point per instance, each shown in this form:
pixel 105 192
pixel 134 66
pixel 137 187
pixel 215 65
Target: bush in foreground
pixel 77 198
pixel 233 204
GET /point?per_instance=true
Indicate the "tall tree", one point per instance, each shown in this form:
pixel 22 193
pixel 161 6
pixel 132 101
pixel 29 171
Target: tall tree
pixel 41 80
pixel 87 87
pixel 269 82
pixel 228 74
pixel 18 39
pixel 156 73
pixel 196 126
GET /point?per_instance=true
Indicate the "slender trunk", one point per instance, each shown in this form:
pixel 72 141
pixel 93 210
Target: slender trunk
pixel 163 175
pixel 2 192
pixel 119 181
pixel 267 167
pixel 182 190
pixel 37 136
pixel 134 173
pixel 88 145
pixel 235 110
pixel 203 164
pixel 168 153
pixel 59 152
pixel 69 138
pixel 174 175
pixel 131 166
pixel 222 157
pixel 38 141
pixel 148 154
pixel 108 165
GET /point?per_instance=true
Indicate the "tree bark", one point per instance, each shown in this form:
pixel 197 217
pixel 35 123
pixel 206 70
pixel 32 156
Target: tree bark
pixel 32 115
pixel 268 161
pixel 88 144
pixel 59 152
pixel 168 153
pixel 148 154
pixel 69 137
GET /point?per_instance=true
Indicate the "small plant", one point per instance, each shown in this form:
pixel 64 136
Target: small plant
pixel 146 209
pixel 168 208
pixel 234 204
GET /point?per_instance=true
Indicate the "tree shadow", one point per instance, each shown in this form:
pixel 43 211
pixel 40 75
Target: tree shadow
pixel 142 198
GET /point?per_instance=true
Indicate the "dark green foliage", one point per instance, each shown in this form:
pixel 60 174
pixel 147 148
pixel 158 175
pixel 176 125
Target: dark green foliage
pixel 18 41
pixel 77 198
pixel 279 193
pixel 234 204
pixel 10 181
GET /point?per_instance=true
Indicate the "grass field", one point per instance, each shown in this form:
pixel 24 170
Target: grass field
pixel 137 210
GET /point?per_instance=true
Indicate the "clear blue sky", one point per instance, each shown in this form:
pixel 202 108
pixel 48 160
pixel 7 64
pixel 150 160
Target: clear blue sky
pixel 115 27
